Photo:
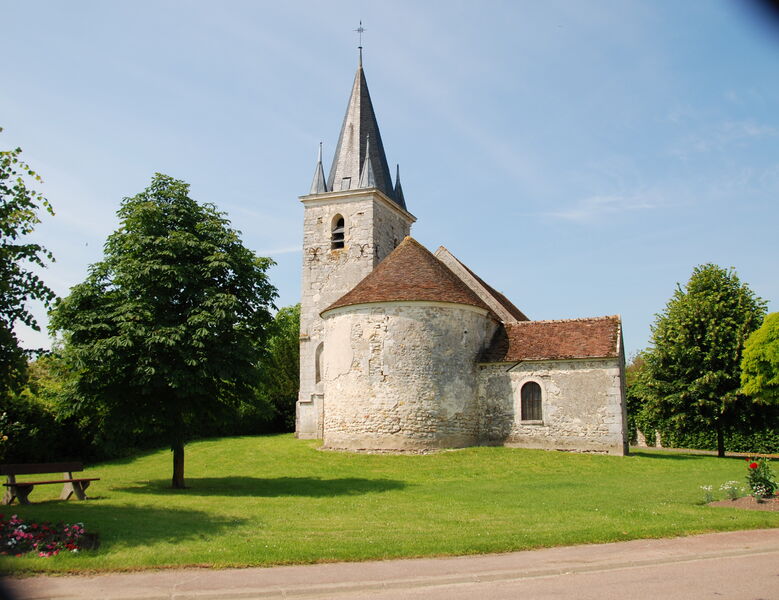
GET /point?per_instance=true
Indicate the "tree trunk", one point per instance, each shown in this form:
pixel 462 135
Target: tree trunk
pixel 178 466
pixel 720 441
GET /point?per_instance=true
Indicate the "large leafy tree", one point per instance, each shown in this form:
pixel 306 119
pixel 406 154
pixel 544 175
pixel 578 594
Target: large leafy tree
pixel 167 331
pixel 19 205
pixel 760 363
pixel 691 379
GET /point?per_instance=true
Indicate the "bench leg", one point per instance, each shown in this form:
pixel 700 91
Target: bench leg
pixel 20 492
pixel 10 493
pixel 76 488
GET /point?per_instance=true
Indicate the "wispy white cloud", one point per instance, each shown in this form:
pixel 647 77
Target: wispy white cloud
pixel 756 180
pixel 593 208
pixel 721 137
pixel 749 96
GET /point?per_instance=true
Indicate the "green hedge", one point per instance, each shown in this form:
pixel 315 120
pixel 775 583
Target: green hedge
pixel 37 431
pixel 764 441
pixel 35 434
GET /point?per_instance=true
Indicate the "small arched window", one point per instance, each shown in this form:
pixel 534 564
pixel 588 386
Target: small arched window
pixel 531 402
pixel 337 232
pixel 318 362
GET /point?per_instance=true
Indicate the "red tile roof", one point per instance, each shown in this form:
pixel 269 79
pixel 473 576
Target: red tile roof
pixel 596 337
pixel 410 273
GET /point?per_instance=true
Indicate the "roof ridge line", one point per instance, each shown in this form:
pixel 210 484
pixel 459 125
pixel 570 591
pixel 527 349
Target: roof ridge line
pixel 601 318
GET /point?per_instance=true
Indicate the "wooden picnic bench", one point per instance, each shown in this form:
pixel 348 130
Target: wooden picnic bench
pixel 21 489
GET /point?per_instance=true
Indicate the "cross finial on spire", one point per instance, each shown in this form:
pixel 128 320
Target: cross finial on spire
pixel 360 31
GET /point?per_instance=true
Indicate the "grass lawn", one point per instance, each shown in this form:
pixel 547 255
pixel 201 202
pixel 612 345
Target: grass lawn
pixel 274 500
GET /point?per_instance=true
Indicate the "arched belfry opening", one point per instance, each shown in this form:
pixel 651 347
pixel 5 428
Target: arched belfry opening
pixel 337 232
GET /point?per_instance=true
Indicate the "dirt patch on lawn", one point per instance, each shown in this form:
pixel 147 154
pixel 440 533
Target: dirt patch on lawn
pixel 749 503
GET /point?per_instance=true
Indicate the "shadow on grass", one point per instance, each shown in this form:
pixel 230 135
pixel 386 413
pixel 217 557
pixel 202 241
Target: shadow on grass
pixel 130 455
pixel 126 524
pixel 678 455
pixel 268 488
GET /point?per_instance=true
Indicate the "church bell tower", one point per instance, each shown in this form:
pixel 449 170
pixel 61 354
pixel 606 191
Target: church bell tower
pixel 352 221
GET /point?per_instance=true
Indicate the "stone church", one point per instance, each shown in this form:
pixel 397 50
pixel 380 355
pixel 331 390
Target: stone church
pixel 402 349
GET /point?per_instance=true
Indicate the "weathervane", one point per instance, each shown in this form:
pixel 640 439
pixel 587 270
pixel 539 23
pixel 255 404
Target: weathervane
pixel 360 31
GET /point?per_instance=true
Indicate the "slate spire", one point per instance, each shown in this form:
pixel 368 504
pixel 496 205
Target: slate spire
pixel 401 201
pixel 353 152
pixel 319 185
pixel 367 178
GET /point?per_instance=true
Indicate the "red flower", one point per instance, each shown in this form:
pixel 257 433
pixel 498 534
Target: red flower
pixel 753 465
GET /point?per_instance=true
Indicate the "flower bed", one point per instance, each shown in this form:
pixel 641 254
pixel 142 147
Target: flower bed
pixel 18 537
pixel 760 478
pixel 750 503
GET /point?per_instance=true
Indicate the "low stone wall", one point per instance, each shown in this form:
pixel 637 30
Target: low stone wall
pixel 582 405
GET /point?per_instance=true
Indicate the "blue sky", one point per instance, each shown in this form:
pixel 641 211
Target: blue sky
pixel 582 157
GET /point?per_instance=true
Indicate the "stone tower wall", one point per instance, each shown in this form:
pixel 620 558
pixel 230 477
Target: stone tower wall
pixel 327 274
pixel 582 405
pixel 402 376
pixel 389 228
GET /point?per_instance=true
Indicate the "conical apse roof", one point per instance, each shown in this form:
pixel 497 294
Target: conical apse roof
pixel 410 273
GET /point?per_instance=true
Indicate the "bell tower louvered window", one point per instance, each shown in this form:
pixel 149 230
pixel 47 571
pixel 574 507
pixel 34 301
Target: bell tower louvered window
pixel 337 233
pixel 531 402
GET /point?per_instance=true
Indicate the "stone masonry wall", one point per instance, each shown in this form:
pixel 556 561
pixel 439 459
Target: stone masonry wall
pixel 401 376
pixel 582 405
pixel 327 274
pixel 389 229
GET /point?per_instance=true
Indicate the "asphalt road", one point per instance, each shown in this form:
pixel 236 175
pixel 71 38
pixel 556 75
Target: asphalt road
pixel 740 565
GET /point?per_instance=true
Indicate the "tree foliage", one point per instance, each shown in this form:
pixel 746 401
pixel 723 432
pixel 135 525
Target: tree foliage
pixel 43 432
pixel 19 205
pixel 637 419
pixel 760 363
pixel 166 332
pixel 691 381
pixel 281 369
